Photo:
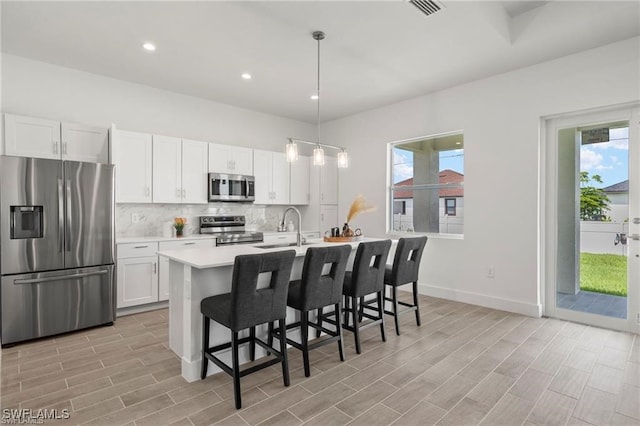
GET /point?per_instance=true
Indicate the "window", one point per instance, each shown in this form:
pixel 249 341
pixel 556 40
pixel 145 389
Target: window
pixel 427 190
pixel 399 207
pixel 450 206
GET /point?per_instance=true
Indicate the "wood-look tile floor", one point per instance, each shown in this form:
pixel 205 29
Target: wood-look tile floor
pixel 465 365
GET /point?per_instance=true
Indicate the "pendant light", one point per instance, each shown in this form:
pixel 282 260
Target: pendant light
pixel 291 148
pixel 318 152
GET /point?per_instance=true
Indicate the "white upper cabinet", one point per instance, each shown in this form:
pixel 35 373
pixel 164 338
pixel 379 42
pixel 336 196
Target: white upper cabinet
pixel 329 181
pixel 85 143
pixel 230 159
pixel 179 170
pixel 300 190
pixel 40 138
pixel 132 156
pixel 271 171
pixel 167 169
pixel 194 171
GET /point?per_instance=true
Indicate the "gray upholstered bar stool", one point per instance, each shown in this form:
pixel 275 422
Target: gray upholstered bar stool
pixel 316 290
pixel 366 278
pixel 405 269
pixel 246 307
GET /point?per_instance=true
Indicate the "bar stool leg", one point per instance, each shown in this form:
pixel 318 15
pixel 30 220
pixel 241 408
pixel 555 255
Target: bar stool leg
pixel 380 296
pixel 236 369
pixel 270 336
pixel 338 308
pixel 252 344
pixel 205 346
pixel 283 350
pixel 415 302
pixel 319 322
pixel 394 297
pixel 361 310
pixel 304 338
pixel 346 310
pixel 356 325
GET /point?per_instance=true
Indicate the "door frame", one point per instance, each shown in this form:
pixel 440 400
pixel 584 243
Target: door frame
pixel 548 226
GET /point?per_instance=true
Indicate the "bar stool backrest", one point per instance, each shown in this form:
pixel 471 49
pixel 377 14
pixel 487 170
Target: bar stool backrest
pixel 251 305
pixel 406 263
pixel 318 290
pixel 368 266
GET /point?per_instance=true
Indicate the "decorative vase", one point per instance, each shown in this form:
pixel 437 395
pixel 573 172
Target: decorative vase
pixel 179 233
pixel 347 231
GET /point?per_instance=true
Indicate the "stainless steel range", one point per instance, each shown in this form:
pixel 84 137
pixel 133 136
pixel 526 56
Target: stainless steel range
pixel 229 230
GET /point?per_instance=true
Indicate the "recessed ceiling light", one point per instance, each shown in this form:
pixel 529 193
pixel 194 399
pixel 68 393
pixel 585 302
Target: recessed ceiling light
pixel 149 46
pixel 246 76
pixel 315 97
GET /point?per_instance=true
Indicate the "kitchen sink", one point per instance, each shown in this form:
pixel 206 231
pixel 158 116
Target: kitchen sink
pixel 270 246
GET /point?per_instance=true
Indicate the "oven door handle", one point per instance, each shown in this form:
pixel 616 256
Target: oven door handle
pixel 246 188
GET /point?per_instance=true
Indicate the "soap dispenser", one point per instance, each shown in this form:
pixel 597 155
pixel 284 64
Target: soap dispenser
pixel 290 227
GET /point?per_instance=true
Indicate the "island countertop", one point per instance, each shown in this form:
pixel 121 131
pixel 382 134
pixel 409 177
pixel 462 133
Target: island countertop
pixel 213 257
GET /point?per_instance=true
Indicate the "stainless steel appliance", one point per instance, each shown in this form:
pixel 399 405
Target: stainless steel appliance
pixel 229 230
pixel 56 247
pixel 224 187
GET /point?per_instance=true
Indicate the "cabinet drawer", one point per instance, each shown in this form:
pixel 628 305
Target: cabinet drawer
pixel 137 249
pixel 311 235
pixel 188 244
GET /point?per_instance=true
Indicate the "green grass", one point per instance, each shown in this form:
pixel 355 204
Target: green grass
pixel 603 273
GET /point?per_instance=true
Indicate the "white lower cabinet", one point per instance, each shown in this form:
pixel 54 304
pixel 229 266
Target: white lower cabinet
pixel 137 274
pixel 164 284
pixel 280 238
pixel 143 276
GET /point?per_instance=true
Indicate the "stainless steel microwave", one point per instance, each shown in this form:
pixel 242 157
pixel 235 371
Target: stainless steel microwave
pixel 223 187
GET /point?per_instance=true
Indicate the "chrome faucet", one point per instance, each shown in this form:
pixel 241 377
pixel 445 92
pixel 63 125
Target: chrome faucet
pixel 284 216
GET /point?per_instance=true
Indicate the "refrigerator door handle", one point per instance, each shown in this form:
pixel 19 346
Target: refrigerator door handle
pixel 60 215
pixel 67 228
pixel 59 278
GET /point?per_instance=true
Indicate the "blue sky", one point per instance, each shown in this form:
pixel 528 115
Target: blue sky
pixel 610 159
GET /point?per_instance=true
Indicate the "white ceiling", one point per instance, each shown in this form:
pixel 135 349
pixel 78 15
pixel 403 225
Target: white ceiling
pixel 375 53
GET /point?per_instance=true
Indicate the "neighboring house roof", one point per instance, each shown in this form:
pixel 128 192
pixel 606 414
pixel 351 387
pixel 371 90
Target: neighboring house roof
pixel 619 187
pixel 445 177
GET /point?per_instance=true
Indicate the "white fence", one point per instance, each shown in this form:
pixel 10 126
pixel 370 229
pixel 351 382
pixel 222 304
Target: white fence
pixel 600 237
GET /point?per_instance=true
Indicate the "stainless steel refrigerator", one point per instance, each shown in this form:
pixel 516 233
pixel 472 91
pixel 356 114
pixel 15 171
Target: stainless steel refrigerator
pixel 57 245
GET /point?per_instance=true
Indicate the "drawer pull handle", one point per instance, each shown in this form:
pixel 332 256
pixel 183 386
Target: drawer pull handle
pixel 141 247
pixel 189 244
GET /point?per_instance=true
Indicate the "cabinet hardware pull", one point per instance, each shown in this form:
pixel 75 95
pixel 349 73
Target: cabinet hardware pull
pixel 155 268
pixel 184 193
pixel 140 246
pixel 64 148
pixel 55 147
pixel 189 244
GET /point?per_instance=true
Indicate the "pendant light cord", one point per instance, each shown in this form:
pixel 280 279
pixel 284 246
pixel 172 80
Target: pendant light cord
pixel 318 35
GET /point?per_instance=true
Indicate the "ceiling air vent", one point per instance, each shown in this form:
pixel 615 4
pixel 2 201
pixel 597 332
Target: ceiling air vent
pixel 428 7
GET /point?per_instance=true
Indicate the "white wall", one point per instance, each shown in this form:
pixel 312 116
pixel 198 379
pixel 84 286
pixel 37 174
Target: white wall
pixel 500 117
pixel 42 90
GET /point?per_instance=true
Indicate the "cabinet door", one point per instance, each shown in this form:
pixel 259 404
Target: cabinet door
pixel 242 161
pixel 85 143
pixel 132 156
pixel 194 172
pixel 262 172
pixel 279 178
pixel 299 181
pixel 31 137
pixel 167 169
pixel 137 281
pixel 220 158
pixel 163 279
pixel 328 218
pixel 280 238
pixel 329 181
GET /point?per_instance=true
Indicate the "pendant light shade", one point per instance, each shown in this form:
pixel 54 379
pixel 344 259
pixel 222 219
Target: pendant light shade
pixel 343 159
pixel 318 156
pixel 291 150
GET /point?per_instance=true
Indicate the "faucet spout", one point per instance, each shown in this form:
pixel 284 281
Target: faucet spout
pixel 284 216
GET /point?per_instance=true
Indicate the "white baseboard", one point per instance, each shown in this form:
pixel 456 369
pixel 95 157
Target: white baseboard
pixel 141 308
pixel 532 310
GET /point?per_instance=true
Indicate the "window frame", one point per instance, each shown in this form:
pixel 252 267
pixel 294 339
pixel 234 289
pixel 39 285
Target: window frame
pixel 391 187
pixel 446 206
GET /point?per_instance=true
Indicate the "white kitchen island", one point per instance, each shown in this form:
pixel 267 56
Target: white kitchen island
pixel 199 273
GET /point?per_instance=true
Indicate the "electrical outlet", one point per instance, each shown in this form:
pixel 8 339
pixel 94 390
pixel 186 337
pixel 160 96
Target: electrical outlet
pixel 135 217
pixel 491 272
